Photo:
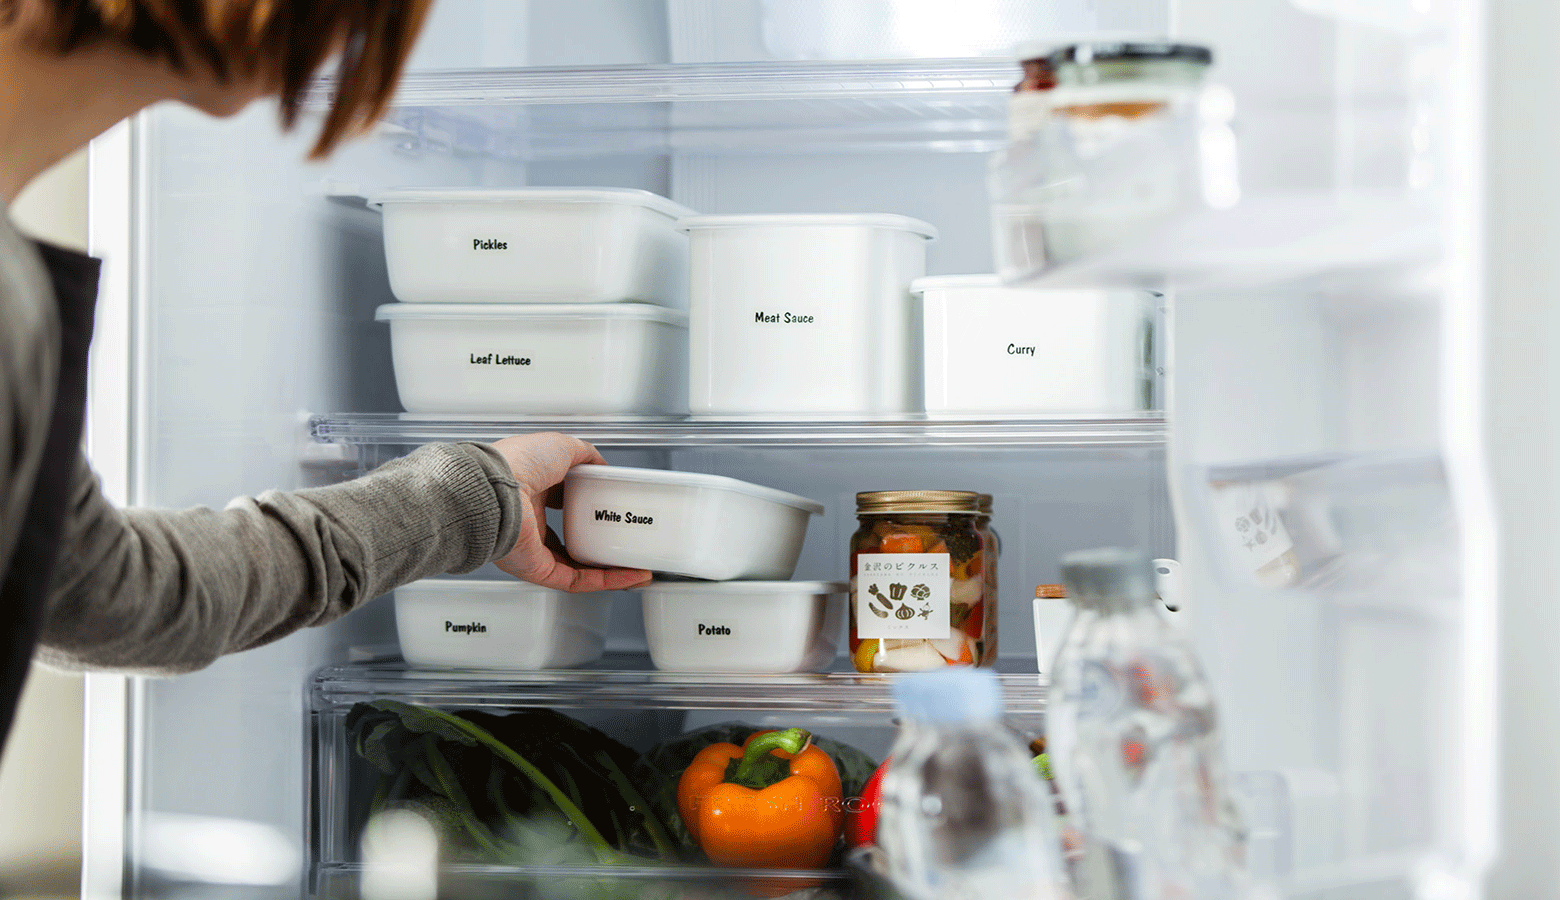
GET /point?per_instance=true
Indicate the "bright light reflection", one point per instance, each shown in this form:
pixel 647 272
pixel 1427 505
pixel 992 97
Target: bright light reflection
pixel 400 858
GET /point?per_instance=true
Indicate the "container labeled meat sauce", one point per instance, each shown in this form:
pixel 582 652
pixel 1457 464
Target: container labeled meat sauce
pixel 920 597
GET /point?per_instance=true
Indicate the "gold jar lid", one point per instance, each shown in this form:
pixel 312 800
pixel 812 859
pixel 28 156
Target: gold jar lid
pixel 918 501
pixel 985 504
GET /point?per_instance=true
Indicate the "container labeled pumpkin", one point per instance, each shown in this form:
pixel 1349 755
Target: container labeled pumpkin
pixel 920 598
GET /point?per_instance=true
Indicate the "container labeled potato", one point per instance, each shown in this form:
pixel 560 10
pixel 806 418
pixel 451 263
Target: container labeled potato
pixel 920 598
pixel 743 626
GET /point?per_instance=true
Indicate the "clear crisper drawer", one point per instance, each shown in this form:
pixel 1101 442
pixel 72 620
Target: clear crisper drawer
pixel 563 784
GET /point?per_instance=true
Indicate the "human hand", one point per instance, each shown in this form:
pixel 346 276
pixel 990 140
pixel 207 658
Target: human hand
pixel 539 462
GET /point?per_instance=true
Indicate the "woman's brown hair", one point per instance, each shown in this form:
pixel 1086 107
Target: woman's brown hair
pixel 283 41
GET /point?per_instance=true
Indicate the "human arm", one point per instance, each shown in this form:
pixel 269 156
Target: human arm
pixel 169 591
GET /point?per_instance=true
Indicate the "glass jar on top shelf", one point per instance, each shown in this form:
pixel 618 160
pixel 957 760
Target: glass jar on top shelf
pixel 920 598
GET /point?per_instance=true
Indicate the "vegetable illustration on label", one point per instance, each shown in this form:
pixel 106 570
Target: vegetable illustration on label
pixel 891 605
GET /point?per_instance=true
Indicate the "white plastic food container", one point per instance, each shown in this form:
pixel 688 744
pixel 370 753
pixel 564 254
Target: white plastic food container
pixel 995 350
pixel 683 523
pixel 743 626
pixel 534 245
pixel 546 359
pixel 804 314
pixel 451 623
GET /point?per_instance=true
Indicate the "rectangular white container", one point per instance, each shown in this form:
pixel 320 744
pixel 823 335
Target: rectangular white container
pixel 542 359
pixel 992 350
pixel 804 314
pixel 743 626
pixel 534 245
pixel 683 523
pixel 452 623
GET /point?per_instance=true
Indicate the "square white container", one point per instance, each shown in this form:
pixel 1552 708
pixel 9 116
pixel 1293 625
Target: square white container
pixel 534 245
pixel 543 359
pixel 743 626
pixel 994 350
pixel 683 523
pixel 804 314
pixel 451 623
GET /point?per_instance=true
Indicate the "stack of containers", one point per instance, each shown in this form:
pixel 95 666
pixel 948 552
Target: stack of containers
pixel 530 301
pixel 743 538
pixel 537 301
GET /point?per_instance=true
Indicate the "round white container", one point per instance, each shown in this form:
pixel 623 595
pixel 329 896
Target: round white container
pixel 683 523
pixel 544 359
pixel 743 626
pixel 804 314
pixel 994 350
pixel 534 245
pixel 450 623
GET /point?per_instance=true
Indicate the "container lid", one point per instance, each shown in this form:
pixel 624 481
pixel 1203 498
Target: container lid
pixel 1087 53
pixel 1109 578
pixel 621 196
pixel 623 311
pixel 814 220
pixel 935 282
pixel 695 479
pixel 985 501
pixel 1050 591
pixel 746 587
pixel 496 587
pixel 1042 48
pixel 917 501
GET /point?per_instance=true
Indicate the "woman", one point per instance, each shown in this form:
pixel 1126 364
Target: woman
pixel 85 584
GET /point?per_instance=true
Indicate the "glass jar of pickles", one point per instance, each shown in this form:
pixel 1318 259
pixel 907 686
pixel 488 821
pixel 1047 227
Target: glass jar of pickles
pixel 920 598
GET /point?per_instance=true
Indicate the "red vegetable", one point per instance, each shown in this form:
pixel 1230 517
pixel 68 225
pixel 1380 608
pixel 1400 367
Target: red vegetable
pixel 861 814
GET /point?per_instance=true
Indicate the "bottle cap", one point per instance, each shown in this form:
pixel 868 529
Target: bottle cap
pixel 951 695
pixel 1108 578
pixel 1050 592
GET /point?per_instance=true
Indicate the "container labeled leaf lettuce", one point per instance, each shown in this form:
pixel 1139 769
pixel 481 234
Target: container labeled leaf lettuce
pixel 920 598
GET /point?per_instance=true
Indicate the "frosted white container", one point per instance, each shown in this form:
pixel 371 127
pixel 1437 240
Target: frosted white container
pixel 545 359
pixel 683 523
pixel 743 626
pixel 534 245
pixel 450 623
pixel 804 313
pixel 994 350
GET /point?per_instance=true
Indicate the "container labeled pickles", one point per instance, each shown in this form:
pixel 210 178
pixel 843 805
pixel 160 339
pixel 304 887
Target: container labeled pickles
pixel 920 595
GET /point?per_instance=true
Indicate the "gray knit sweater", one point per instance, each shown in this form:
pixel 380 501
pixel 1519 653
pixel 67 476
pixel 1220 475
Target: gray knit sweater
pixel 165 591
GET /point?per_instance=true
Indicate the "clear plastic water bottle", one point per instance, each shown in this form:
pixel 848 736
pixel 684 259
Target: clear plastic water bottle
pixel 1133 738
pixel 964 814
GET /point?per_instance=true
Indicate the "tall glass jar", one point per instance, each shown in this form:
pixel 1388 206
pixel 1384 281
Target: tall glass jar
pixel 990 549
pixel 919 595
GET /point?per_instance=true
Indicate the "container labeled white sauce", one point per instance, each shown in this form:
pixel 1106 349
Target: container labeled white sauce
pixel 683 523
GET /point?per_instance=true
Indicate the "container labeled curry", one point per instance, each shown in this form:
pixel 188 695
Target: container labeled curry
pixel 920 598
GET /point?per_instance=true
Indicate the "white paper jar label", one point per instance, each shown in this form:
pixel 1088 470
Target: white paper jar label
pixel 902 595
pixel 638 520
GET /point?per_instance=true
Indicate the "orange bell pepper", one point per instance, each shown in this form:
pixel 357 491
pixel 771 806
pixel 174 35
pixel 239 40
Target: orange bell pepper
pixel 773 803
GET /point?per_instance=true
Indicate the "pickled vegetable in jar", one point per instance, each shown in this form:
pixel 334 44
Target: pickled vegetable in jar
pixel 919 595
pixel 991 550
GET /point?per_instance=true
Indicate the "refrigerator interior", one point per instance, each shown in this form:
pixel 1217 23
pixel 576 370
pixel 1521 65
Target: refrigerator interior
pixel 1303 338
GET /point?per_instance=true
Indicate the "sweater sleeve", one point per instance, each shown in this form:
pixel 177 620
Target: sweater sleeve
pixel 164 591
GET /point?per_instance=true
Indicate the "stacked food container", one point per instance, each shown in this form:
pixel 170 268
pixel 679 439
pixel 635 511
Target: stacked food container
pixel 743 538
pixel 530 301
pixel 537 301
